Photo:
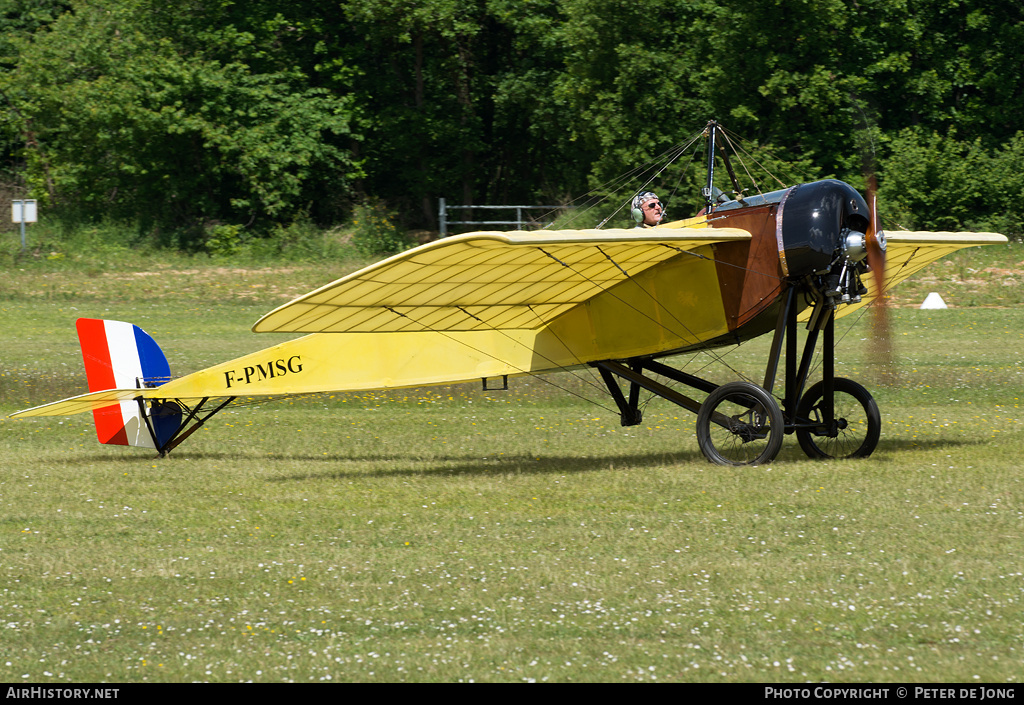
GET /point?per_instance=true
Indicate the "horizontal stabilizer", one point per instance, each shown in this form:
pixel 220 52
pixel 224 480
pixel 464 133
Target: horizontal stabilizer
pixel 81 403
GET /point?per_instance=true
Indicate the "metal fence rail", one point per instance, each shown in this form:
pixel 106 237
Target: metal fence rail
pixel 519 222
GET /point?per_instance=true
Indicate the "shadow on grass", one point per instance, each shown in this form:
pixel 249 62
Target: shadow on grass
pixel 792 453
pixel 420 465
pixel 904 445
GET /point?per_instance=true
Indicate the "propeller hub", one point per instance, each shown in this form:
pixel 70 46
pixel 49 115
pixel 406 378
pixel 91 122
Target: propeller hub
pixel 855 245
pixel 880 240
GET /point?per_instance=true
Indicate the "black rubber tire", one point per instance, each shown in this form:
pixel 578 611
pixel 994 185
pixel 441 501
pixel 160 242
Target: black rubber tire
pixel 756 426
pixel 858 423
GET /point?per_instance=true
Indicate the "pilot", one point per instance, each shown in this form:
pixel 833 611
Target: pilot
pixel 647 209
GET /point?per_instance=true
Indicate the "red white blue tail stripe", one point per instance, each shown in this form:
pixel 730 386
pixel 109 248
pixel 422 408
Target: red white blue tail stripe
pixel 120 355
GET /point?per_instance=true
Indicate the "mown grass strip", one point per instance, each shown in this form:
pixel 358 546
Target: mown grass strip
pixel 452 534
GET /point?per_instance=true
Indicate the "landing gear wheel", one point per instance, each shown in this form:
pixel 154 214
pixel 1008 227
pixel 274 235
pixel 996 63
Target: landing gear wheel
pixel 740 424
pixel 857 425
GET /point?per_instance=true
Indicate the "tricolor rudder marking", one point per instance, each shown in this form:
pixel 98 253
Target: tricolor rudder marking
pixel 120 355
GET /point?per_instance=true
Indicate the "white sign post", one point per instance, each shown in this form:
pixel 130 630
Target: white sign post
pixel 23 211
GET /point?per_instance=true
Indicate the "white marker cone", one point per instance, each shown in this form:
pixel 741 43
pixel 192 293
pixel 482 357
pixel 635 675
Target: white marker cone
pixel 933 300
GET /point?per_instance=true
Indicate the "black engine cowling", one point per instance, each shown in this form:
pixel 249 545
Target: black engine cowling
pixel 814 224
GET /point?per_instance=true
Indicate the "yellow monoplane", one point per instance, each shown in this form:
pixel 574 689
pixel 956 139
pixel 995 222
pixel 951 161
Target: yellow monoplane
pixel 496 305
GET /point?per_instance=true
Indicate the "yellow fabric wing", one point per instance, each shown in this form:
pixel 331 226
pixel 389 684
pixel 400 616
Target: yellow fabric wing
pixel 909 252
pixel 486 281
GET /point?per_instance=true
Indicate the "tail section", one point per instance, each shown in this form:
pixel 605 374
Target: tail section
pixel 120 355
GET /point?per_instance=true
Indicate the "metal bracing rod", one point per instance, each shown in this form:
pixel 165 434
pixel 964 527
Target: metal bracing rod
pixel 662 391
pixel 634 393
pixel 772 368
pixel 678 376
pixel 828 372
pixel 178 439
pixel 709 191
pixel 191 414
pixel 805 361
pixel 627 411
pixel 794 391
pixel 145 417
pixel 649 384
pixel 728 164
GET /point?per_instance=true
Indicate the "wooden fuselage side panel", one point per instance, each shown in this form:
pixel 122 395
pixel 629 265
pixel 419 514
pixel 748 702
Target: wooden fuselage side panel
pixel 750 271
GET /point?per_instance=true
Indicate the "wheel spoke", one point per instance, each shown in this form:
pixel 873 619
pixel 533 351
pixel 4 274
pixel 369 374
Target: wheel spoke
pixel 740 424
pixel 855 428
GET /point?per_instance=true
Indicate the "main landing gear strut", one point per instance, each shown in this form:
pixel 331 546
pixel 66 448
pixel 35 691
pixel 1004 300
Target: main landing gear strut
pixel 741 423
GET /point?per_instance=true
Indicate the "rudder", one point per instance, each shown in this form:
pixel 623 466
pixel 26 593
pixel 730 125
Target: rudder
pixel 119 355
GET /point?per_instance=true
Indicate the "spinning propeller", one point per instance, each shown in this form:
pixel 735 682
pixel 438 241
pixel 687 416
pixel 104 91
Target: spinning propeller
pixel 875 245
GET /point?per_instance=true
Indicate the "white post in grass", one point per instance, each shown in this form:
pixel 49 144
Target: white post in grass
pixel 23 211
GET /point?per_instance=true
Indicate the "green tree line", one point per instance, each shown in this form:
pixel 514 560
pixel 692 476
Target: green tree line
pixel 181 117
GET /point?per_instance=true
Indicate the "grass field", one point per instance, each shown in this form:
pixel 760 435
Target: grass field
pixel 451 534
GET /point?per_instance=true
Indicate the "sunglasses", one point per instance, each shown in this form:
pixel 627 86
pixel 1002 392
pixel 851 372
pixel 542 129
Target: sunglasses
pixel 652 205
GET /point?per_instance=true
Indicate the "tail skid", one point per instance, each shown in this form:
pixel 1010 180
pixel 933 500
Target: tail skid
pixel 120 355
